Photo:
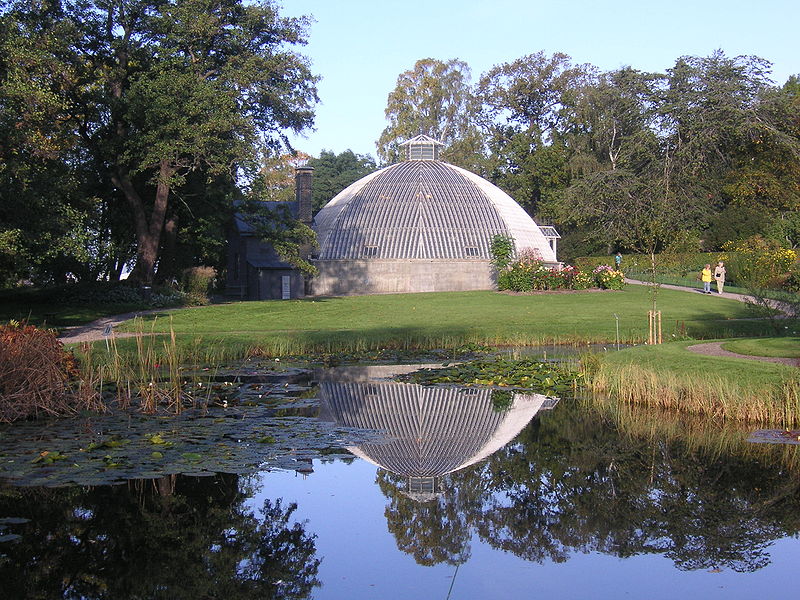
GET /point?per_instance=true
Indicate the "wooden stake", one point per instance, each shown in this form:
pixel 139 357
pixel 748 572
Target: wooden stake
pixel 654 327
pixel 659 327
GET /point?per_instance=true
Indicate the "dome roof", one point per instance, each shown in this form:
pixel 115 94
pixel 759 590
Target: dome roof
pixel 423 209
pixel 431 430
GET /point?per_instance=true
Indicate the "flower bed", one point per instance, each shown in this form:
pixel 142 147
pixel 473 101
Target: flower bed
pixel 527 274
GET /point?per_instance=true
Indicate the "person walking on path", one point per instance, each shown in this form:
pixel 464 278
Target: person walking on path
pixel 719 276
pixel 618 260
pixel 706 277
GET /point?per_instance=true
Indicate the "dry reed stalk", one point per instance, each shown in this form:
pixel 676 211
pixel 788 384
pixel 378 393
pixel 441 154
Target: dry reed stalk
pixel 38 377
pixel 173 369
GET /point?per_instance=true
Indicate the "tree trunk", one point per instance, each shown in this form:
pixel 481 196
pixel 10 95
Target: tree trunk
pixel 167 264
pixel 148 230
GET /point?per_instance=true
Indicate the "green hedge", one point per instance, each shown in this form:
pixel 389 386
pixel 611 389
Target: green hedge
pixel 680 265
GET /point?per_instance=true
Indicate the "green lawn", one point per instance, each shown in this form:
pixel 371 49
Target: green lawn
pixel 786 347
pixel 56 307
pixel 436 319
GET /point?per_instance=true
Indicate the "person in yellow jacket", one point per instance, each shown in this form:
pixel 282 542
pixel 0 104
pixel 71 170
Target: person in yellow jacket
pixel 706 278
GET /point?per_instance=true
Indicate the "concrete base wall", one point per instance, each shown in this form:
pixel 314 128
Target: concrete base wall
pixel 352 277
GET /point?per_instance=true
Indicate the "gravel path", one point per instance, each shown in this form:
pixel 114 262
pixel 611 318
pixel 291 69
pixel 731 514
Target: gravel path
pixel 716 349
pixel 96 330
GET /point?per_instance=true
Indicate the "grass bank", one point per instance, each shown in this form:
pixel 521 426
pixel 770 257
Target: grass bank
pixel 446 320
pixel 672 378
pixel 783 347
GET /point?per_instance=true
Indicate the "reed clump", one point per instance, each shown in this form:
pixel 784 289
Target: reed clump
pixel 149 374
pixel 38 377
pixel 708 394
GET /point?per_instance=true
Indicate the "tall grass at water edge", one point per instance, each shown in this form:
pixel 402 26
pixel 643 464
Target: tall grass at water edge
pixel 149 369
pixel 710 394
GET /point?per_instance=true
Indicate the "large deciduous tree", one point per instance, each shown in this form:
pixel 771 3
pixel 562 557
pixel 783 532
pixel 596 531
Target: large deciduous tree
pixel 434 99
pixel 680 147
pixel 710 107
pixel 44 203
pixel 526 109
pixel 157 92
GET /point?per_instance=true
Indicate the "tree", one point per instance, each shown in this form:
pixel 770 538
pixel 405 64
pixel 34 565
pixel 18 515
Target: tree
pixel 434 99
pixel 45 205
pixel 765 177
pixel 710 108
pixel 612 122
pixel 334 172
pixel 276 177
pixel 526 105
pixel 162 90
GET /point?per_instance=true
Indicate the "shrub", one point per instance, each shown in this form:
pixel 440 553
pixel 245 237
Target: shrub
pixel 515 279
pixel 582 280
pixel 528 273
pixel 758 262
pixel 116 293
pixel 608 278
pixel 678 264
pixel 198 280
pixel 792 282
pixel 502 251
pixel 37 376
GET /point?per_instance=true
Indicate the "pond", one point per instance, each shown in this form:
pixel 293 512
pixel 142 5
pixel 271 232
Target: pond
pixel 344 484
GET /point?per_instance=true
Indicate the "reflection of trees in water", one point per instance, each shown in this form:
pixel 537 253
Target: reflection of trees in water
pixel 573 482
pixel 178 537
pixel 433 532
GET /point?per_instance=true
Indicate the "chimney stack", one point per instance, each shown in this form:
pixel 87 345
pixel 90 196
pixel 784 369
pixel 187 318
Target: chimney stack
pixel 302 179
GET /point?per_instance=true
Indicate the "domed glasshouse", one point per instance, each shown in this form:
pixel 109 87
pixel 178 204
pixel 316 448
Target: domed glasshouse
pixel 420 225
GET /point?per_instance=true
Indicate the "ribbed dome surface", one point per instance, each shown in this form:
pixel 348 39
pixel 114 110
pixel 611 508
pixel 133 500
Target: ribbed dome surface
pixel 423 209
pixel 433 430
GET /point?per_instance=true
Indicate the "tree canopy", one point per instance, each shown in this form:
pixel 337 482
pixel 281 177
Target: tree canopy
pixel 153 100
pixel 334 172
pixel 625 158
pixel 129 129
pixel 434 99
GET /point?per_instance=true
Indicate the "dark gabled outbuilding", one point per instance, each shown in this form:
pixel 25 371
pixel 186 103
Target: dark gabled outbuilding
pixel 255 271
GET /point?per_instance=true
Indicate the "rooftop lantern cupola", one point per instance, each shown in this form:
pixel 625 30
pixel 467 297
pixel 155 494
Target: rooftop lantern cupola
pixel 422 147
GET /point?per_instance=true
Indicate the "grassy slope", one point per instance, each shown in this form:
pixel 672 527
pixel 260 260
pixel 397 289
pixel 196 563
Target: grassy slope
pixel 474 316
pixel 674 359
pixel 673 378
pixel 787 347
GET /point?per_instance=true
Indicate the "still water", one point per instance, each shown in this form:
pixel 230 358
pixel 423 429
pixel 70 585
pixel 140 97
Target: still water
pixel 464 494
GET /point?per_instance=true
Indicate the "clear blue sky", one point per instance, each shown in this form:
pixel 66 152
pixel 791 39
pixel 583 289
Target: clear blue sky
pixel 359 47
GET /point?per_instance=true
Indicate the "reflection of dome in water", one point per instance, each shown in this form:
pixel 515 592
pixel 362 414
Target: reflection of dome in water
pixel 433 430
pixel 418 225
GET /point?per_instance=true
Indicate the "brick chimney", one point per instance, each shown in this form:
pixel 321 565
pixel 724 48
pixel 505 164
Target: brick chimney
pixel 302 182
